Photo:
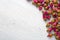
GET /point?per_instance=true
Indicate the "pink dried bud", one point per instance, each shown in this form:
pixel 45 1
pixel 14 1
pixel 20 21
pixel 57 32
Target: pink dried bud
pixel 35 1
pixel 51 23
pixel 58 4
pixel 40 7
pixel 56 20
pixel 54 24
pixel 55 29
pixel 48 17
pixel 47 7
pixel 49 30
pixel 41 1
pixel 55 9
pixel 50 35
pixel 58 34
pixel 55 15
pixel 51 4
pixel 45 13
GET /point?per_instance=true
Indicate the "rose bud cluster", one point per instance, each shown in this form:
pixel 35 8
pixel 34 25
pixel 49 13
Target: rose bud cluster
pixel 50 9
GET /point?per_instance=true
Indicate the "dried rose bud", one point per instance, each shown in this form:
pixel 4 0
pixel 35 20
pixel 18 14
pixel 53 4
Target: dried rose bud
pixel 46 1
pixel 45 5
pixel 59 19
pixel 39 4
pixel 46 8
pixel 58 10
pixel 54 9
pixel 58 25
pixel 46 15
pixel 41 1
pixel 35 1
pixel 52 20
pixel 54 24
pixel 54 15
pixel 47 25
pixel 51 5
pixel 54 1
pixel 49 30
pixel 50 11
pixel 57 30
pixel 57 37
pixel 56 5
pixel 58 14
pixel 50 35
pixel 40 7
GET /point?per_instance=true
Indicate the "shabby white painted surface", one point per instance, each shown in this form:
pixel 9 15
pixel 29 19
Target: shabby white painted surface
pixel 20 20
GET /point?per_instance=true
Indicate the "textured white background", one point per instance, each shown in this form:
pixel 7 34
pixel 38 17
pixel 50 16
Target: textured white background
pixel 20 20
